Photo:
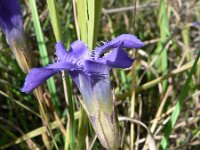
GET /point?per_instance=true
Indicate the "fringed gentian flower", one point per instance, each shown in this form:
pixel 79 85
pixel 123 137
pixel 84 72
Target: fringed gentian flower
pixel 196 24
pixel 90 71
pixel 11 24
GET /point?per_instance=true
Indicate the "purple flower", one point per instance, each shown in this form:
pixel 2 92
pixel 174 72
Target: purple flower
pixel 90 71
pixel 11 24
pixel 82 63
pixel 196 24
pixel 10 18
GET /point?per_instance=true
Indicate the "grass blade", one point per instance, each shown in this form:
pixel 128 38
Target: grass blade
pixel 176 112
pixel 88 12
pixel 164 34
pixel 43 51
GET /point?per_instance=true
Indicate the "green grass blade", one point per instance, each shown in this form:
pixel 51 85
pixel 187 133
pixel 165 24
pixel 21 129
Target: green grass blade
pixel 43 52
pixel 176 112
pixel 70 138
pixel 53 11
pixel 164 34
pixel 186 41
pixel 88 19
pixel 83 122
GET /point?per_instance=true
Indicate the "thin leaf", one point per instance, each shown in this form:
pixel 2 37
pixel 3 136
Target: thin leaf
pixel 43 52
pixel 176 112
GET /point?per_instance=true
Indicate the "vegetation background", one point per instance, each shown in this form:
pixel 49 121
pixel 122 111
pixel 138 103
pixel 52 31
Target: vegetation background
pixel 160 86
